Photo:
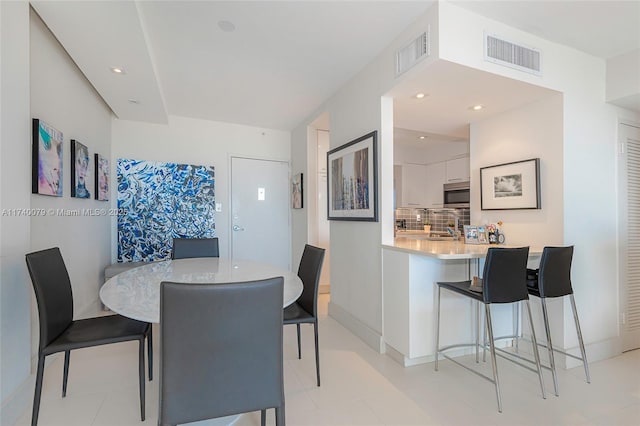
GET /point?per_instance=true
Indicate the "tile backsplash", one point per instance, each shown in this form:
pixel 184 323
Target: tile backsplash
pixel 407 218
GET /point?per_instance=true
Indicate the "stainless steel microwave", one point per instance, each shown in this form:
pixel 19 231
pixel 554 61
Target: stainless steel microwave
pixel 457 195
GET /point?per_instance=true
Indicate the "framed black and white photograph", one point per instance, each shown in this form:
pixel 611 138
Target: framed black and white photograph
pixel 510 186
pixel 352 181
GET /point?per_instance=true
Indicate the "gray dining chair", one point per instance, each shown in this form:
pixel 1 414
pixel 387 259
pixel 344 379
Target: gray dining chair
pixel 59 332
pixel 305 309
pixel 221 350
pixel 184 248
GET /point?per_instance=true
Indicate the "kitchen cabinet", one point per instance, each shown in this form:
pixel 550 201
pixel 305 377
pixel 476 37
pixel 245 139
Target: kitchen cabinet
pixel 436 176
pixel 457 170
pixel 410 181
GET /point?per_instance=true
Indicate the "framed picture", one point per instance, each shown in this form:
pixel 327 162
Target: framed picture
pixel 482 235
pixel 46 161
pixel 296 192
pixel 79 170
pixel 510 186
pixel 471 234
pixel 352 181
pixel 101 178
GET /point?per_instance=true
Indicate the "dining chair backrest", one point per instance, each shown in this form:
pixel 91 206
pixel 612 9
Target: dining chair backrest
pixel 221 347
pixel 184 248
pixel 52 287
pixel 309 272
pixel 505 275
pixel 554 275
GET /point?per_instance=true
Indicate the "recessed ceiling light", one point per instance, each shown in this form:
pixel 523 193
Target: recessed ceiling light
pixel 477 107
pixel 226 26
pixel 422 137
pixel 420 95
pixel 133 101
pixel 117 70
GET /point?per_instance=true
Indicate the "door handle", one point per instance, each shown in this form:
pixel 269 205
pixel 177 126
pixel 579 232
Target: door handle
pixel 237 228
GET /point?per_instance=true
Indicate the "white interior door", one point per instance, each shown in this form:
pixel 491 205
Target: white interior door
pixel 629 225
pixel 260 211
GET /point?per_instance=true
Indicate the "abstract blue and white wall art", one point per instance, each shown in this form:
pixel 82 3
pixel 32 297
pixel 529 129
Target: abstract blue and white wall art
pixel 158 202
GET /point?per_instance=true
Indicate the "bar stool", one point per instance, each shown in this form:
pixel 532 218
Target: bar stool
pixel 503 281
pixel 553 279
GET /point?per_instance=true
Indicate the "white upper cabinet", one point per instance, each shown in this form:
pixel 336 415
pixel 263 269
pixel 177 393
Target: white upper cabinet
pixel 323 148
pixel 410 185
pixel 457 170
pixel 436 174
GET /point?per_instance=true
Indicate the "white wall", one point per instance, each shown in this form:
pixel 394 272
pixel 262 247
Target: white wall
pixel 357 109
pixel 40 81
pixel 588 163
pixel 623 76
pixel 15 178
pixel 201 142
pixel 531 131
pixel 62 97
pixel 434 153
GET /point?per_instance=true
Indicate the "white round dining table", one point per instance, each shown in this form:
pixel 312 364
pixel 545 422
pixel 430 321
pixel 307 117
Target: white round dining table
pixel 136 293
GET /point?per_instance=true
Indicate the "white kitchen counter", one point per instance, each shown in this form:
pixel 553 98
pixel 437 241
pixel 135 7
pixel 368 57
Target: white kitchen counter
pixel 447 249
pixel 411 267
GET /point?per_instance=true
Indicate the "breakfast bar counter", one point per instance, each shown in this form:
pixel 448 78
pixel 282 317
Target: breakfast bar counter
pixel 410 269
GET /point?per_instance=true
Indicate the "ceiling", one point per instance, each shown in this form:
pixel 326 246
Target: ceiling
pixel 271 64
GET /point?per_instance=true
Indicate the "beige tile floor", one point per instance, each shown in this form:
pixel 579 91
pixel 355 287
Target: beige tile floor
pixel 359 387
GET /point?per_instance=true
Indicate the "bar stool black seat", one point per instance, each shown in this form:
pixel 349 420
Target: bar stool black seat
pixel 503 281
pixel 553 279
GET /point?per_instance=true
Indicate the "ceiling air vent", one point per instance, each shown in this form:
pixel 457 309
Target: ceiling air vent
pixel 512 55
pixel 412 53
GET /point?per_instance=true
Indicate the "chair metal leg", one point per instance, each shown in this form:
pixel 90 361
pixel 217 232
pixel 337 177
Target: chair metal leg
pixel 299 351
pixel 477 331
pixel 579 332
pixel 516 333
pixel 484 341
pixel 150 351
pixel 547 330
pixel 263 417
pixel 65 372
pixel 280 415
pixel 494 365
pixel 437 325
pixel 141 376
pixel 535 349
pixel 315 332
pixel 38 391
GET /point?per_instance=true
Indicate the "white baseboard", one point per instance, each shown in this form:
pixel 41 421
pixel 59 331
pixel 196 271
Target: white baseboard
pixel 357 327
pixel 596 351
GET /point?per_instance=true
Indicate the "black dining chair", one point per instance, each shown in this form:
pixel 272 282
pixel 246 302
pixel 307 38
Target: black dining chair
pixel 504 280
pixel 305 309
pixel 221 350
pixel 184 248
pixel 59 332
pixel 553 279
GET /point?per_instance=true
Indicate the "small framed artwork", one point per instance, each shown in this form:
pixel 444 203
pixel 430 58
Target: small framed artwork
pixel 471 234
pixel 352 181
pixel 101 178
pixel 46 162
pixel 79 170
pixel 482 235
pixel 510 186
pixel 296 192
